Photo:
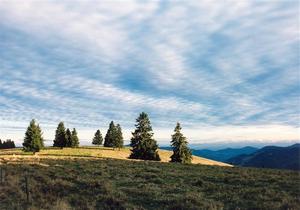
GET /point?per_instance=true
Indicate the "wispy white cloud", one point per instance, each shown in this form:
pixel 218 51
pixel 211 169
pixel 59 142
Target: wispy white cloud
pixel 207 63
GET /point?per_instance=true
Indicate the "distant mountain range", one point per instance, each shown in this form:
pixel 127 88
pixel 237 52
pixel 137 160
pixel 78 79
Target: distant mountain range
pixel 266 157
pixel 224 154
pixel 220 155
pixel 270 157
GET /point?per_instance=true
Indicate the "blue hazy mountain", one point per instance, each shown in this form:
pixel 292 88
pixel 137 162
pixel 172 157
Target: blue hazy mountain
pixel 271 157
pixel 221 155
pixel 224 154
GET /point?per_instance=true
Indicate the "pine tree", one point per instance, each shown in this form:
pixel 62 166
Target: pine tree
pixel 97 140
pixel 181 152
pixel 74 138
pixel 40 131
pixel 68 138
pixel 110 135
pixel 60 136
pixel 118 140
pixel 142 143
pixel 33 140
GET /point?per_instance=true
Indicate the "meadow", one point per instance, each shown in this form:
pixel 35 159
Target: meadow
pixel 71 182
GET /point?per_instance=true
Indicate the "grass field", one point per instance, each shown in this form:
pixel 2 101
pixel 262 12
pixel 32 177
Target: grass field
pixel 68 182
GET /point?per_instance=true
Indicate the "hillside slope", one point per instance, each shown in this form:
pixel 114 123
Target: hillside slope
pixel 271 157
pixel 98 152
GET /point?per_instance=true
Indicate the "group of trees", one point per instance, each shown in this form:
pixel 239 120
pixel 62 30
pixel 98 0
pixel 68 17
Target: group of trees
pixel 8 144
pixel 64 137
pixel 113 137
pixel 144 146
pixel 142 142
pixel 34 142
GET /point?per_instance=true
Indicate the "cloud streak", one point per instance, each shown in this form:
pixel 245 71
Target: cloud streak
pixel 208 63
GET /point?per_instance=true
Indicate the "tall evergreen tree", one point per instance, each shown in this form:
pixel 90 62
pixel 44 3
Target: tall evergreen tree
pixel 181 152
pixel 142 143
pixel 110 135
pixel 33 140
pixel 74 138
pixel 40 131
pixel 118 140
pixel 97 140
pixel 60 136
pixel 68 138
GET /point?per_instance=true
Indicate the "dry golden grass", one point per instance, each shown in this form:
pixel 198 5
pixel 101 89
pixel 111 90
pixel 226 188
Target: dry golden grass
pixel 92 152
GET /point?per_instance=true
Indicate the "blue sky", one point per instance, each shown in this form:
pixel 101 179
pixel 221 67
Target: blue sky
pixel 227 70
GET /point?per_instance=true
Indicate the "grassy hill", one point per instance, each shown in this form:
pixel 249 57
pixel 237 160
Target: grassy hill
pixel 98 152
pixel 62 181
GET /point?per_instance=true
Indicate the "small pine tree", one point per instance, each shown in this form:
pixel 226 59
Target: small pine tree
pixel 142 143
pixel 68 138
pixel 110 135
pixel 181 152
pixel 33 140
pixel 60 136
pixel 118 141
pixel 97 140
pixel 74 138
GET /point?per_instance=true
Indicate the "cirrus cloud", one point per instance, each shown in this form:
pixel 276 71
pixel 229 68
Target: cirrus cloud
pixel 208 63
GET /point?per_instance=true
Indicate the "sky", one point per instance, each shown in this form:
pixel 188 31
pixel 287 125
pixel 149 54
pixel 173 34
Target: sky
pixel 228 71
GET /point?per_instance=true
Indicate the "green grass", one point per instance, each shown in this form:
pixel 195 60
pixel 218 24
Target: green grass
pixel 121 184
